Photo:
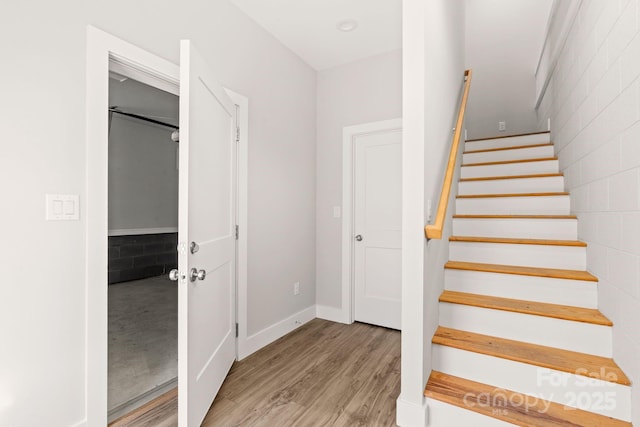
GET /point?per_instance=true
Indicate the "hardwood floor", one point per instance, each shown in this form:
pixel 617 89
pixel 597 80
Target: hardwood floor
pixel 321 374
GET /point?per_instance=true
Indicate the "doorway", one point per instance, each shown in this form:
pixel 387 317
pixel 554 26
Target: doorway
pixel 142 240
pixel 371 226
pixel 106 53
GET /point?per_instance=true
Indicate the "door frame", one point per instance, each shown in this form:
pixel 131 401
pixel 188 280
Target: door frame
pixel 106 52
pixel 349 135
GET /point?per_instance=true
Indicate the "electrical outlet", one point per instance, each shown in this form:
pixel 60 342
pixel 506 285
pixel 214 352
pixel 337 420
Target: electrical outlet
pixel 428 210
pixel 502 126
pixel 296 288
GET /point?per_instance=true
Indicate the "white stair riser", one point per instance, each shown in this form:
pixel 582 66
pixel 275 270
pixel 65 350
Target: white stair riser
pixel 524 228
pixel 519 205
pixel 539 383
pixel 515 154
pixel 510 169
pixel 577 293
pixel 548 184
pixel 545 256
pixel 569 335
pixel 515 141
pixel 441 414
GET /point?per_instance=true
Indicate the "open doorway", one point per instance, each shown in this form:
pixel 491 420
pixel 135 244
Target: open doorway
pixel 208 123
pixel 142 243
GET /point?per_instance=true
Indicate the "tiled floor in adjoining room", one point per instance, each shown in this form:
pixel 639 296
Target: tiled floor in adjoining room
pixel 143 341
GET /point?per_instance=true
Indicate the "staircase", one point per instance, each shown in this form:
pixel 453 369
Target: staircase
pixel 520 339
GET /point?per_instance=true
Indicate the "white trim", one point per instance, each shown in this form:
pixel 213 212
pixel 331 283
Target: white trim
pixel 146 75
pixel 242 153
pixel 551 54
pixel 100 48
pixel 82 423
pixel 137 231
pixel 409 414
pixel 268 335
pixel 349 133
pixel 103 51
pixel 333 314
pixel 545 46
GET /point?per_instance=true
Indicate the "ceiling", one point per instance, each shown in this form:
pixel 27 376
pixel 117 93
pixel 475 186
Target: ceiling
pixel 308 27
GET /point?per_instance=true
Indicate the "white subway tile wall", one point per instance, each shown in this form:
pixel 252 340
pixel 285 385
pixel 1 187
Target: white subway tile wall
pixel 593 101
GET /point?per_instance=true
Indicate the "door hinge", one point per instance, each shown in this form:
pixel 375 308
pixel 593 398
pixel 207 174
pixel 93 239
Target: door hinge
pixel 237 231
pixel 238 134
pixel 237 330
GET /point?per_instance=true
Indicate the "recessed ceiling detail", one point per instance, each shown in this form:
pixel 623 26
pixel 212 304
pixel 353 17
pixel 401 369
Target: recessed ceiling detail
pixel 347 25
pixel 308 27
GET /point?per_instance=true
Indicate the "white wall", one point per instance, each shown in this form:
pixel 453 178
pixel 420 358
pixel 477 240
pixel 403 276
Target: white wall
pixel 594 104
pixel 42 313
pixel 143 174
pixel 504 39
pixel 443 86
pixel 360 92
pixel 433 44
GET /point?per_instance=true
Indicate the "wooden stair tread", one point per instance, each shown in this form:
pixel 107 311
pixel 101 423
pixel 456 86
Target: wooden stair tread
pixel 556 311
pixel 507 136
pixel 572 362
pixel 471 395
pixel 543 242
pixel 487 196
pixel 504 162
pixel 492 178
pixel 514 147
pixel 553 273
pixel 460 216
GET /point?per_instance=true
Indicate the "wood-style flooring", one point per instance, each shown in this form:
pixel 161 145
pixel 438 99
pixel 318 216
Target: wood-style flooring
pixel 321 374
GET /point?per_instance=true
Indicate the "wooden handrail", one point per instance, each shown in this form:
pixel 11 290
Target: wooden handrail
pixel 434 231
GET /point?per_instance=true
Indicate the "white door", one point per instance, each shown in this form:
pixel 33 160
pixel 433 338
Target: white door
pixel 206 296
pixel 377 228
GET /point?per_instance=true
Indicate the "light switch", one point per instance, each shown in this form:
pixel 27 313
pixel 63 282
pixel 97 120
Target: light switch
pixel 336 211
pixel 57 207
pixel 62 207
pixel 69 207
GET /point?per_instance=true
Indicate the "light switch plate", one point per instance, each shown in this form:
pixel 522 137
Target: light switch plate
pixel 62 207
pixel 336 212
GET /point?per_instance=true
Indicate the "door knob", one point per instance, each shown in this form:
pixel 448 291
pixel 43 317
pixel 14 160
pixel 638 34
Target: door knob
pixel 196 274
pixel 359 238
pixel 193 247
pixel 173 275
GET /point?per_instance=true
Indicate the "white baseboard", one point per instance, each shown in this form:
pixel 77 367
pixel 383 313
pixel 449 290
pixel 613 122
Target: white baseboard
pixel 410 414
pixel 333 314
pixel 82 423
pixel 268 335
